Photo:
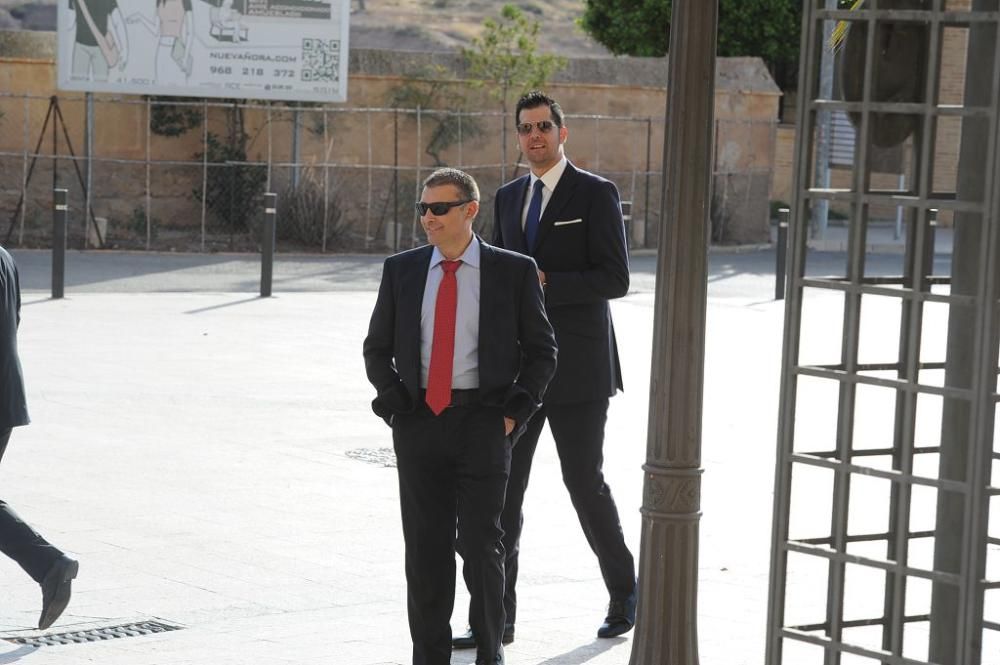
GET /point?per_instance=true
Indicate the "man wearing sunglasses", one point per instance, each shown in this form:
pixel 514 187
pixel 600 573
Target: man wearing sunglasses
pixel 455 412
pixel 46 564
pixel 570 222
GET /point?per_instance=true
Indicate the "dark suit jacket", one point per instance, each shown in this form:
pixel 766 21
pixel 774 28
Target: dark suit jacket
pixel 13 407
pixel 517 349
pixel 581 249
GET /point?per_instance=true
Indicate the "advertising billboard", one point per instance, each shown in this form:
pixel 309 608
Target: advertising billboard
pixel 294 50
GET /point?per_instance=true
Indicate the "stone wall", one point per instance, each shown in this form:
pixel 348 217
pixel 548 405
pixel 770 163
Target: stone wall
pixel 615 108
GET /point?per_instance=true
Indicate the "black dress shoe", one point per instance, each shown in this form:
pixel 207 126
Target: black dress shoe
pixel 467 640
pixel 620 619
pixel 497 660
pixel 56 589
pixel 464 641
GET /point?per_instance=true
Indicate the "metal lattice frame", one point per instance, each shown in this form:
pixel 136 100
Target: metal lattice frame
pixel 966 584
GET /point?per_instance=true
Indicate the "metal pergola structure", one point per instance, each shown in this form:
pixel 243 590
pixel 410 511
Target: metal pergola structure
pixel 911 589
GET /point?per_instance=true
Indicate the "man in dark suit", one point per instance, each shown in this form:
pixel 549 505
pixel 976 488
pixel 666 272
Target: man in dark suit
pixel 460 352
pixel 570 221
pixel 48 566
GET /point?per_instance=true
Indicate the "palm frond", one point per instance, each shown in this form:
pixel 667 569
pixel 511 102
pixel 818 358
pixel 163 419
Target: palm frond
pixel 840 31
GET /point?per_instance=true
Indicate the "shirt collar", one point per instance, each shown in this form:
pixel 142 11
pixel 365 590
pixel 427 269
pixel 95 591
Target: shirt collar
pixel 470 256
pixel 551 177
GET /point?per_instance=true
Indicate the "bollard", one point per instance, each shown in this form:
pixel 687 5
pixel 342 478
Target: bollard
pixel 627 220
pixel 59 209
pixel 928 258
pixel 780 252
pixel 267 244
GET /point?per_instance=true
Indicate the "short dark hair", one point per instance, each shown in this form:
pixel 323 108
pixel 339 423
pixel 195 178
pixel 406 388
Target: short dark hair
pixel 465 183
pixel 533 100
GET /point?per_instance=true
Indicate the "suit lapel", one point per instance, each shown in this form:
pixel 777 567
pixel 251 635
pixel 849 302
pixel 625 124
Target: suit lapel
pixel 562 195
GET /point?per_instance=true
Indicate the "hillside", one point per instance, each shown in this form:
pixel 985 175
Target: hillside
pixel 417 25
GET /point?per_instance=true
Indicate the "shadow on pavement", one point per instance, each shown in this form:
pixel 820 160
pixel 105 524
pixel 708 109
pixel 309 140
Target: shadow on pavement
pixel 17 654
pixel 584 653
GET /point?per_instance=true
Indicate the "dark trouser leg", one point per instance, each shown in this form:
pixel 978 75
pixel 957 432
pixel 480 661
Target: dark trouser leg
pixel 428 505
pixel 512 519
pixel 18 540
pixel 482 467
pixel 578 430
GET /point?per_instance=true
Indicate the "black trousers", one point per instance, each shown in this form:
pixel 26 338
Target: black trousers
pixel 578 431
pixel 453 471
pixel 18 540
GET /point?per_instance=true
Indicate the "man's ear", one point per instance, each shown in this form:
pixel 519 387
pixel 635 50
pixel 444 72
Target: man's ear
pixel 473 209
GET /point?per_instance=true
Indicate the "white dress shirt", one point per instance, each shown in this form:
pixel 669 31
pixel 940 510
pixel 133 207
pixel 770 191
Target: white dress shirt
pixel 549 181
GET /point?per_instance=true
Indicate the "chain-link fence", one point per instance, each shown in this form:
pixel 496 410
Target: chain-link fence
pixel 189 175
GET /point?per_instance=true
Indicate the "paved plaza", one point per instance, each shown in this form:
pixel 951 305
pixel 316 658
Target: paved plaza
pixel 211 459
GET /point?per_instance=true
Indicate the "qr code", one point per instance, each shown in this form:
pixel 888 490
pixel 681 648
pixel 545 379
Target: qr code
pixel 321 60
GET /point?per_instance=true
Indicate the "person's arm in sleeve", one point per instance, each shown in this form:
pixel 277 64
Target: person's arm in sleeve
pixel 606 275
pixel 17 297
pixel 497 229
pixel 538 353
pixel 379 351
pixel 117 22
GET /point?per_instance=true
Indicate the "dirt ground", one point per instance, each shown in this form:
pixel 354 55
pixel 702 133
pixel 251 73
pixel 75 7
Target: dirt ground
pixel 446 24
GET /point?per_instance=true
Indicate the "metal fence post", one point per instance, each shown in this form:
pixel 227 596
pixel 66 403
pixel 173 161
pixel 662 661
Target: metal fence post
pixel 59 208
pixel 267 244
pixel 781 253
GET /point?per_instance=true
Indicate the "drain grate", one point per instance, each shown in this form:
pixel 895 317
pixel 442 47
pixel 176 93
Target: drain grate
pixel 379 456
pixel 95 634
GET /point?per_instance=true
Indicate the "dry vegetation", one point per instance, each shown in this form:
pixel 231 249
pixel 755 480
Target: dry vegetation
pixel 416 25
pixel 448 24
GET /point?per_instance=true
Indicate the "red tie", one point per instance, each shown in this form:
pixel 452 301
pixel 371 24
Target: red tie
pixel 443 346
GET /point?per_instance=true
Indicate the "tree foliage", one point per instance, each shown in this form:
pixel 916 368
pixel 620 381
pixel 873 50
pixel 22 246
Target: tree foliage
pixel 234 189
pixel 434 89
pixel 505 58
pixel 506 55
pixel 173 116
pixel 768 29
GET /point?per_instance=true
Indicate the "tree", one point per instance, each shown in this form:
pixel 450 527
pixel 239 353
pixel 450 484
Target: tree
pixel 768 29
pixel 233 187
pixel 434 88
pixel 506 56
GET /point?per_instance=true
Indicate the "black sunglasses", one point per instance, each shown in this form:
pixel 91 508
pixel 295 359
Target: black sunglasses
pixel 439 208
pixel 544 126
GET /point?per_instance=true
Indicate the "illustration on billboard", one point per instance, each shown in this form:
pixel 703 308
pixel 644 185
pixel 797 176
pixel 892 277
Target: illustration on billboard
pixel 292 50
pixel 100 41
pixel 172 28
pixel 227 24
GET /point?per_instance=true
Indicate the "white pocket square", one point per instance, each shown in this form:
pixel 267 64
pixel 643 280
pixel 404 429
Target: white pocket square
pixel 579 220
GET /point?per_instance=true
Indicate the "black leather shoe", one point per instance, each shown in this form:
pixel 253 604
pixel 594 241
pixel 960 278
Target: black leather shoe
pixel 498 660
pixel 56 588
pixel 467 640
pixel 464 641
pixel 620 619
